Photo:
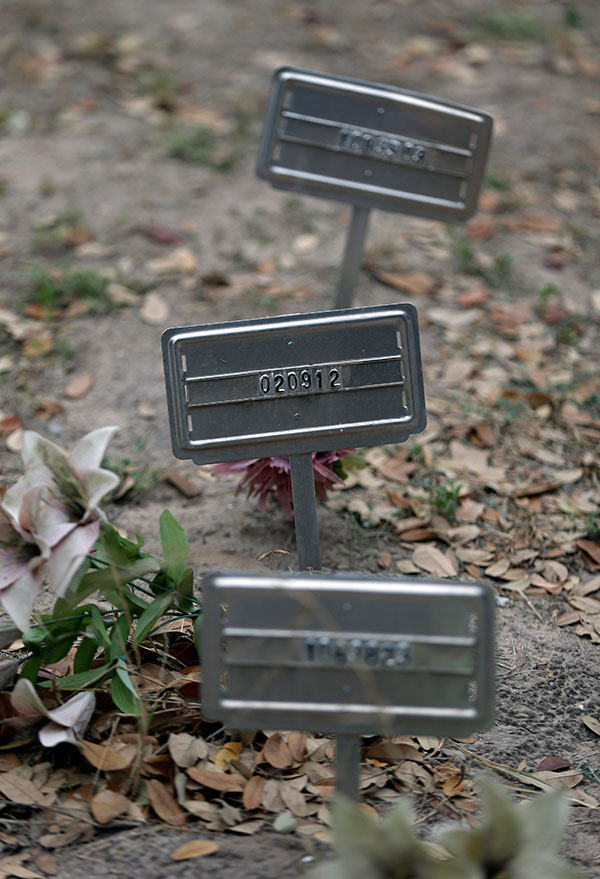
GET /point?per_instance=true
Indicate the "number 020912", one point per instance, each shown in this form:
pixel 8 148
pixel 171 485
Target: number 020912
pixel 305 380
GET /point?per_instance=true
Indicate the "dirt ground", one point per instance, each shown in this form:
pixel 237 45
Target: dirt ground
pixel 91 97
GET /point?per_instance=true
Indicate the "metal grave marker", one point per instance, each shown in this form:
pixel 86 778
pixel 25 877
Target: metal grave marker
pixel 350 655
pixel 374 146
pixel 293 385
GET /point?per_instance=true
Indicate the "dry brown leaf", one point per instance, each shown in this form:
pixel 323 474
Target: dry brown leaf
pixel 457 371
pixel 394 752
pixel 296 802
pixel 297 745
pixel 271 797
pixel 197 848
pixel 552 763
pixel 454 318
pixel 416 535
pixel 231 751
pixel 591 548
pixel 181 260
pixel 21 790
pixel 385 560
pixel 498 568
pixel 588 586
pixel 38 346
pixel 414 283
pixel 434 561
pixel 108 759
pixel 248 827
pixel 566 778
pixel 592 723
pixel 164 804
pixel 541 583
pixel 584 603
pixel 555 571
pixel 155 309
pixel 14 441
pixel 473 556
pixel 481 228
pixel 183 483
pixel 253 791
pixel 9 423
pixel 429 743
pixel 468 511
pixel 201 809
pixel 79 386
pixel 217 780
pixel 410 523
pixel 276 752
pixel 46 862
pixel 12 865
pixel 107 805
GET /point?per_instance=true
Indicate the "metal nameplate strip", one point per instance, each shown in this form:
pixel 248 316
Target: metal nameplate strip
pixel 373 145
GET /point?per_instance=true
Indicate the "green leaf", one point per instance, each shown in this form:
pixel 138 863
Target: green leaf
pixel 58 647
pixel 119 634
pixel 174 546
pixel 108 579
pixel 185 591
pixel 98 626
pixel 127 600
pixel 80 680
pixel 114 547
pixel 151 615
pixel 61 609
pixel 30 669
pixel 34 637
pixel 123 693
pixel 85 654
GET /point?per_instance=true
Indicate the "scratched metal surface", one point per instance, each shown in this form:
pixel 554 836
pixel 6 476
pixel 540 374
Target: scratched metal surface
pixel 294 383
pixel 348 655
pixel 373 145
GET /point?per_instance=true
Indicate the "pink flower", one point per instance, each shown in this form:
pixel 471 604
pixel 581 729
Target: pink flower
pixel 270 477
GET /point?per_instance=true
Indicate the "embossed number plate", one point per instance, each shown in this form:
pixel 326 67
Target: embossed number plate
pixel 358 655
pixel 294 383
pixel 373 145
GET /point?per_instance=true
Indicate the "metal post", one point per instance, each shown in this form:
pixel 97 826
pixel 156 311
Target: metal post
pixel 305 511
pixel 347 766
pixel 352 257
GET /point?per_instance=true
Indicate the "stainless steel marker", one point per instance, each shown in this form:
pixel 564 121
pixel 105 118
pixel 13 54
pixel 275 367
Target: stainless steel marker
pixel 350 655
pixel 293 385
pixel 374 146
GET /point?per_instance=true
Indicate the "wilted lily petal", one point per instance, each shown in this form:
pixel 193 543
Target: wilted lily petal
pixel 21 572
pixel 85 460
pixel 67 722
pixel 18 598
pixel 25 700
pixel 54 509
pixel 69 554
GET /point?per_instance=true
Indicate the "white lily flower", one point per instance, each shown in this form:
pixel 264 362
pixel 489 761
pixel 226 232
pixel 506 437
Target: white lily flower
pixel 21 571
pixel 66 723
pixel 53 516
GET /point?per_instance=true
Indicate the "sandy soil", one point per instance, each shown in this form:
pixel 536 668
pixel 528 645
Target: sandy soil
pixel 89 136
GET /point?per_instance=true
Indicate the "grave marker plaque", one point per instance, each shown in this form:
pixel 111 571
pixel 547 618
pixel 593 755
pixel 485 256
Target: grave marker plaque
pixel 373 145
pixel 294 384
pixel 349 655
